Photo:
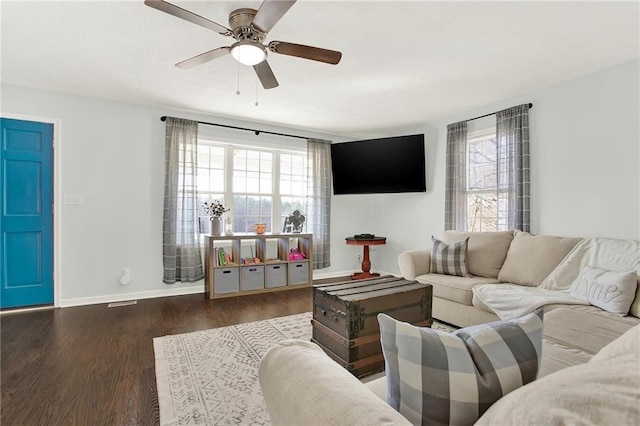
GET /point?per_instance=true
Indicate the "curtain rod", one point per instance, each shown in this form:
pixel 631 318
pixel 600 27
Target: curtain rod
pixel 257 132
pixel 486 115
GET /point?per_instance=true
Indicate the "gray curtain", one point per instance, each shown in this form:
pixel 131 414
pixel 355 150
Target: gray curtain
pixel 181 249
pixel 319 200
pixel 512 134
pixel 455 216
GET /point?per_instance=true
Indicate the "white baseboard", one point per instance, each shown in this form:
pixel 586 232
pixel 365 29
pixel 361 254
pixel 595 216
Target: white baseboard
pixel 180 291
pixel 110 298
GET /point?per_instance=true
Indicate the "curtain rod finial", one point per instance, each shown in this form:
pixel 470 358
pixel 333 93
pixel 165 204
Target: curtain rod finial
pixel 163 118
pixel 257 133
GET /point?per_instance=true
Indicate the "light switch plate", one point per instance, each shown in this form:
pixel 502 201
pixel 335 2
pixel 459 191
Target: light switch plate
pixel 72 199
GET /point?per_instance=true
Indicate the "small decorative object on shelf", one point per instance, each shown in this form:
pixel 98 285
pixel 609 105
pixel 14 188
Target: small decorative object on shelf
pixel 228 226
pixel 260 228
pixel 215 210
pixel 295 254
pixel 294 222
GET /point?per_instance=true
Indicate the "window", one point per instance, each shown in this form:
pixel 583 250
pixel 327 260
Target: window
pixel 487 175
pixel 482 212
pixel 258 185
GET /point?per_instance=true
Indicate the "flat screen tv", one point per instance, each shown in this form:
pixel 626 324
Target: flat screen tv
pixel 375 166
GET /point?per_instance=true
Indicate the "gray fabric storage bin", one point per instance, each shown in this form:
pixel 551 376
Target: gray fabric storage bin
pixel 298 272
pixel 252 277
pixel 276 275
pixel 227 280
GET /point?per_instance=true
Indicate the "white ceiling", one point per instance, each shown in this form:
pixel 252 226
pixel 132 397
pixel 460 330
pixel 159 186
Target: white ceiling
pixel 404 63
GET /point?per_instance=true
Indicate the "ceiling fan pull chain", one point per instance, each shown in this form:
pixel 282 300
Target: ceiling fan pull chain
pixel 238 91
pixel 257 92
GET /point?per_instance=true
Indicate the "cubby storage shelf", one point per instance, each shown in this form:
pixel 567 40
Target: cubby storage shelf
pixel 270 270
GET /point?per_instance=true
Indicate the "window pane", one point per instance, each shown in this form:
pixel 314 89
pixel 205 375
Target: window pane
pixel 203 156
pixel 482 212
pixel 285 185
pixel 253 182
pixel 293 174
pixel 217 180
pixel 217 157
pixel 203 180
pixel 239 181
pixel 265 184
pixel 239 159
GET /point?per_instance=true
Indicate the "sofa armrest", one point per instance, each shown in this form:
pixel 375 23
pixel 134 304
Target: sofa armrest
pixel 301 385
pixel 414 263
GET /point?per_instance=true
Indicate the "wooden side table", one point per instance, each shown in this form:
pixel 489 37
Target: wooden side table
pixel 366 263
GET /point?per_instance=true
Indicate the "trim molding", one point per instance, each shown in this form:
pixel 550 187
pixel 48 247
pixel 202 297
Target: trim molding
pixel 168 292
pixel 110 298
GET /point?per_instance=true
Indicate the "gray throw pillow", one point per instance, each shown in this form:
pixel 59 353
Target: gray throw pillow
pixel 437 378
pixel 449 259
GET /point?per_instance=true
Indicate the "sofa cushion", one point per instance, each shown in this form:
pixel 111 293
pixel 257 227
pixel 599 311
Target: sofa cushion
pixel 627 343
pixel 449 259
pixel 301 385
pixel 612 291
pixel 434 377
pixel 573 334
pixel 604 391
pixel 532 257
pixel 450 287
pixel 486 251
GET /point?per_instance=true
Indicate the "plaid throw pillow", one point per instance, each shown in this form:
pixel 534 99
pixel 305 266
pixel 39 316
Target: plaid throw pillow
pixel 449 259
pixel 437 378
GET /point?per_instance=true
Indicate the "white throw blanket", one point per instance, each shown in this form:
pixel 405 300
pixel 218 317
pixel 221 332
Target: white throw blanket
pixel 510 301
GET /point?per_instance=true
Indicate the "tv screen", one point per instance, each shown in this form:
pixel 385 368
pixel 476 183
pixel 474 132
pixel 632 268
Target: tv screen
pixel 373 166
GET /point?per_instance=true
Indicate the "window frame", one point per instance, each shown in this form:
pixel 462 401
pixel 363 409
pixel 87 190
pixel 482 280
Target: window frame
pixel 475 136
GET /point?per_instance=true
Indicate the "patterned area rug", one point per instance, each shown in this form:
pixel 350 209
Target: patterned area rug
pixel 211 377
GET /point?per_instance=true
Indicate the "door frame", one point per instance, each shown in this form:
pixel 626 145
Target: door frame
pixel 57 198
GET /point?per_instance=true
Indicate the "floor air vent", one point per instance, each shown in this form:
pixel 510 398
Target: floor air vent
pixel 125 303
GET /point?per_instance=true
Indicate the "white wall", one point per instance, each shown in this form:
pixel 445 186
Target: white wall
pixel 585 180
pixel 585 147
pixel 113 154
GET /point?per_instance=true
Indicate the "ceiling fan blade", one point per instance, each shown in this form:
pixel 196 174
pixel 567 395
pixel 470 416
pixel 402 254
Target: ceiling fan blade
pixel 179 12
pixel 203 58
pixel 306 52
pixel 265 75
pixel 270 13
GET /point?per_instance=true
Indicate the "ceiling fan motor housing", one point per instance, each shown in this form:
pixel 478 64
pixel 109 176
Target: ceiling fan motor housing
pixel 240 22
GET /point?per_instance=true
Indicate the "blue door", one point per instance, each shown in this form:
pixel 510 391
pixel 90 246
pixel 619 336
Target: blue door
pixel 26 219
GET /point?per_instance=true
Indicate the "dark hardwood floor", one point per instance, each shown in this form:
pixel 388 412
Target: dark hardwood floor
pixel 94 365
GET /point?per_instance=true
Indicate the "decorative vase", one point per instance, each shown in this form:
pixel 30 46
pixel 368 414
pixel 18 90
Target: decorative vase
pixel 216 225
pixel 260 228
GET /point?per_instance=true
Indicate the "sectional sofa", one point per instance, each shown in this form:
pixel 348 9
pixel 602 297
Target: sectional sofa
pixel 589 369
pixel 512 269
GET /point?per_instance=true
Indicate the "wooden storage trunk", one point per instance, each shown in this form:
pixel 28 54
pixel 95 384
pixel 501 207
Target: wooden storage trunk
pixel 345 322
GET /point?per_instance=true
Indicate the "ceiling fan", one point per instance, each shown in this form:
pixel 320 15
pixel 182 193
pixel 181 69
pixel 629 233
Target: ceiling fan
pixel 249 28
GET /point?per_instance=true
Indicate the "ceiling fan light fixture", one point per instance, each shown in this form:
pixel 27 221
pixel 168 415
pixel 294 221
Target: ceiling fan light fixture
pixel 248 52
